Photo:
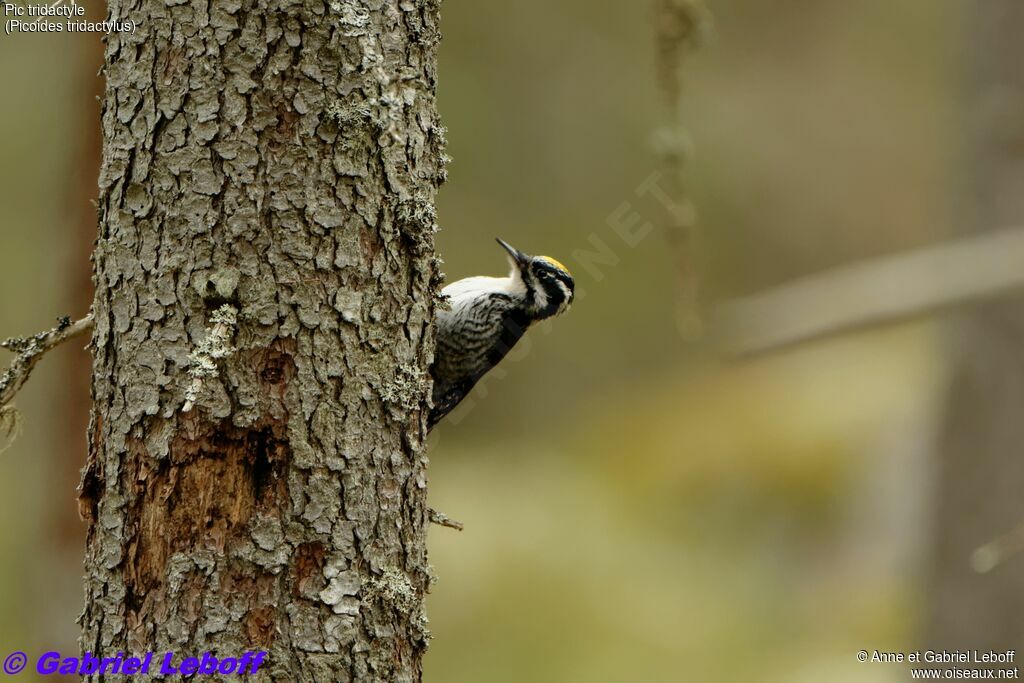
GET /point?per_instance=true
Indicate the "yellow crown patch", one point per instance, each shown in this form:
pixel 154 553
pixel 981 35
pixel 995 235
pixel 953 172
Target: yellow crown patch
pixel 555 263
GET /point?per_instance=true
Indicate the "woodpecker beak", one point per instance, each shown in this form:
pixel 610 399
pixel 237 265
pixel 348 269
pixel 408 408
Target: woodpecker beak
pixel 520 259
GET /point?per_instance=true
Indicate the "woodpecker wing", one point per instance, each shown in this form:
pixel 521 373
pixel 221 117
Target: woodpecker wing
pixel 485 320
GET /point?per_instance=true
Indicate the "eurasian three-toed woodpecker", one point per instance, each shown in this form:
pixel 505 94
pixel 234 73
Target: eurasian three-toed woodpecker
pixel 486 317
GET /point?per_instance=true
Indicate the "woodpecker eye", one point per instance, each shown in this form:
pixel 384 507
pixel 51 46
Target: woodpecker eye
pixel 544 275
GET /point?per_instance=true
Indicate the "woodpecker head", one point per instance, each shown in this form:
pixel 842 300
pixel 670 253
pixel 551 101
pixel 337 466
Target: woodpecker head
pixel 548 287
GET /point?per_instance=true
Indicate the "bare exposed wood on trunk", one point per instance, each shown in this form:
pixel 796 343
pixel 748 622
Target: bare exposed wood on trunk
pixel 981 456
pixel 279 160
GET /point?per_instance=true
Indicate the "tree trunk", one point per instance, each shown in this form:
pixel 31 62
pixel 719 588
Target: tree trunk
pixel 977 584
pixel 266 252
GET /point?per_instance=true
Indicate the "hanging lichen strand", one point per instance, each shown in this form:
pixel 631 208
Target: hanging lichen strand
pixel 680 26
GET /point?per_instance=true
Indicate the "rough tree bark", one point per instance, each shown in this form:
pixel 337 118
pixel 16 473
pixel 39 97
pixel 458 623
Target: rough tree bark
pixel 977 585
pixel 266 245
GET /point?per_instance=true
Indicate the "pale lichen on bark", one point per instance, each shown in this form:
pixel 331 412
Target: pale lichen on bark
pixel 279 157
pixel 213 349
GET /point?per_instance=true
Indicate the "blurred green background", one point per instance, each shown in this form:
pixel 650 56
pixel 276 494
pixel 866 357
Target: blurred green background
pixel 636 508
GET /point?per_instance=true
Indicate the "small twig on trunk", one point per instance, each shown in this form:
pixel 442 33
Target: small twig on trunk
pixel 30 350
pixel 441 519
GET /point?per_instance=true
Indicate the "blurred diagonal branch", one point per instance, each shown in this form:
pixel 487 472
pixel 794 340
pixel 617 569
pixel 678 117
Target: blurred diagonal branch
pixel 31 349
pixel 995 552
pixel 875 292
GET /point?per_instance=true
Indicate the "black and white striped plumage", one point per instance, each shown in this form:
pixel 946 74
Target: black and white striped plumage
pixel 487 316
